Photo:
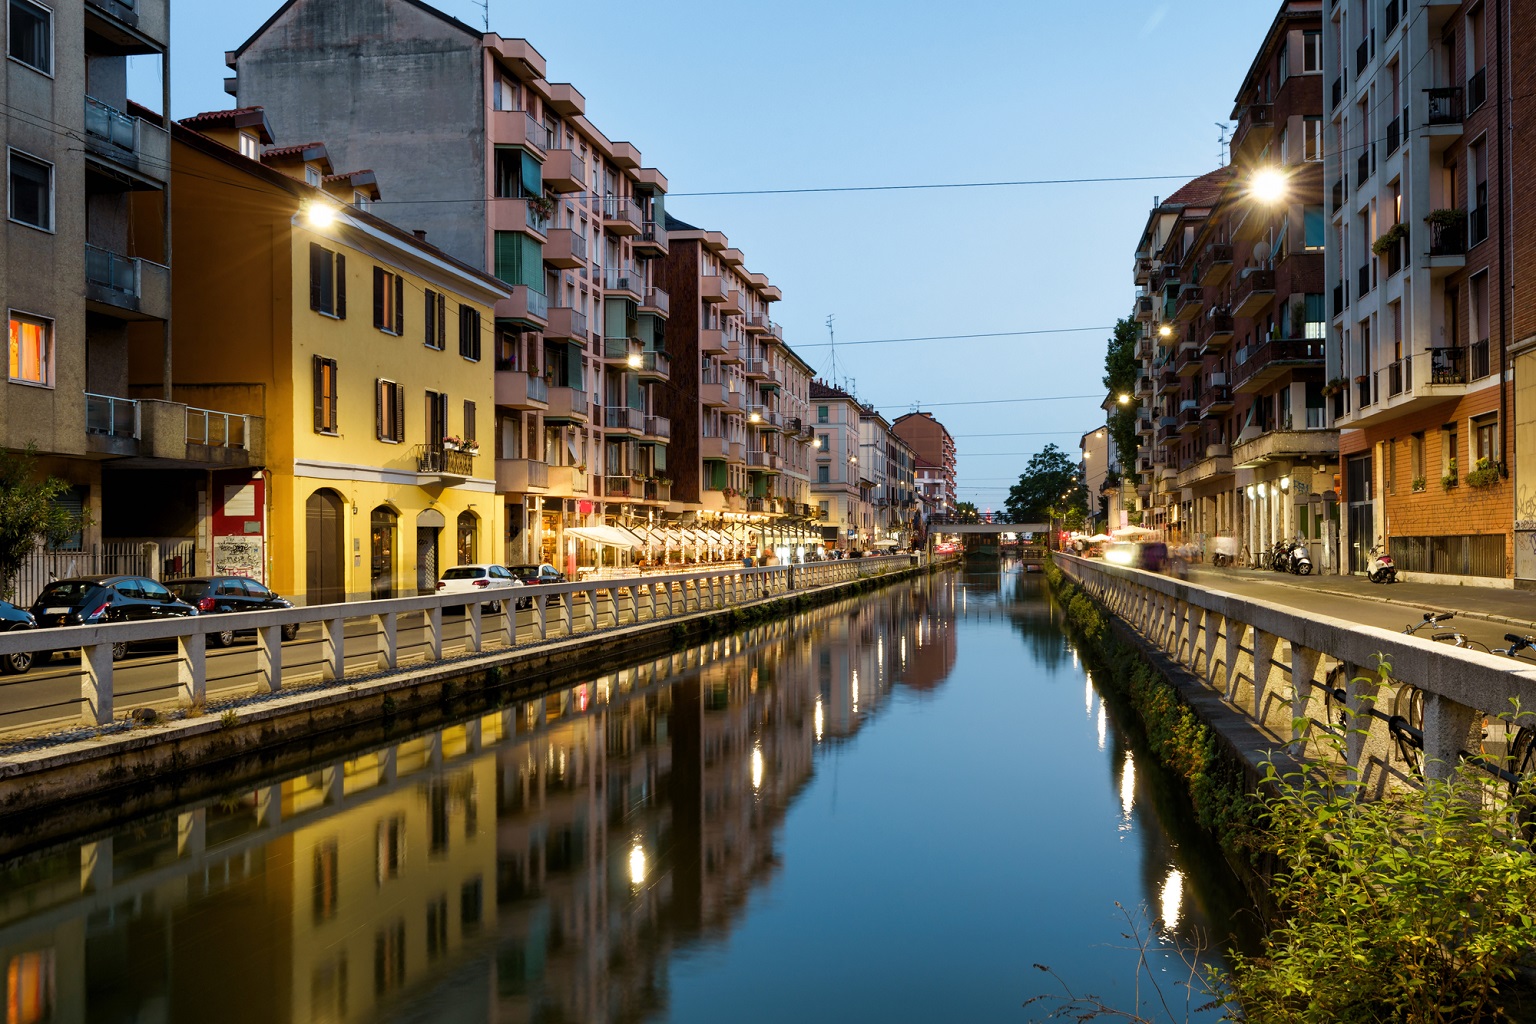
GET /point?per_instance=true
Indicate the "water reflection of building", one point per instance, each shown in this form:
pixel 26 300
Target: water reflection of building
pixel 541 862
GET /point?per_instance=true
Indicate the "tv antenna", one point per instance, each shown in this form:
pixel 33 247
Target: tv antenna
pixel 1221 155
pixel 832 343
pixel 485 12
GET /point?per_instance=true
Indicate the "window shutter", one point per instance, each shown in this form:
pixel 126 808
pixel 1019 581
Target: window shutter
pixel 317 270
pixel 533 184
pixel 378 297
pixel 469 422
pixel 319 393
pixel 442 321
pixel 431 307
pixel 341 286
pixel 399 390
pixel 378 409
pixel 399 305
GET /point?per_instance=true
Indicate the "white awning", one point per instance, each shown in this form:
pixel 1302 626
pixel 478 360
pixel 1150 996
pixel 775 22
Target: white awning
pixel 611 536
pixel 884 543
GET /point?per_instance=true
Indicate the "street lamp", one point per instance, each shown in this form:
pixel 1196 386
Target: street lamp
pixel 1165 331
pixel 1268 185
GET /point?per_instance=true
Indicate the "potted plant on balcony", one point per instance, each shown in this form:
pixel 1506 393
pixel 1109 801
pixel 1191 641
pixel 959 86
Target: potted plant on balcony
pixel 1449 480
pixel 470 447
pixel 1485 473
pixel 581 468
pixel 1334 386
pixel 544 206
pixel 1389 239
pixel 1361 378
pixel 1446 218
pixel 452 443
pixel 1419 484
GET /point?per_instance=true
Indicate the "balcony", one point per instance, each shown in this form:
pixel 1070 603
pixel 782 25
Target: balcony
pixel 568 405
pixel 518 390
pixel 1337 92
pixel 714 394
pixel 1477 225
pixel 1363 282
pixel 1258 365
pixel 1445 116
pixel 623 418
pixel 658 490
pixel 1394 135
pixel 526 307
pixel 656 301
pixel 652 240
pixel 1399 377
pixel 1448 365
pixel 731 346
pixel 1191 301
pixel 622 487
pixel 564 171
pixel 1480 355
pixel 1254 127
pixel 1215 400
pixel 712 288
pixel 1144 310
pixel 1286 446
pixel 131 26
pixel 1222 329
pixel 1215 264
pixel 758 324
pixel 443 466
pixel 1189 418
pixel 565 248
pixel 713 447
pixel 1168 383
pixel 520 128
pixel 567 322
pixel 1338 300
pixel 658 427
pixel 509 214
pixel 1254 292
pixel 1187 360
pixel 125 287
pixel 1364 165
pixel 519 476
pixel 732 304
pixel 624 280
pixel 711 341
pixel 1391 18
pixel 764 462
pixel 130 150
pixel 655 367
pixel 622 352
pixel 755 368
pixel 621 215
pixel 568 480
pixel 1363 56
pixel 1338 191
pixel 1448 245
pixel 1168 431
pixel 1145 384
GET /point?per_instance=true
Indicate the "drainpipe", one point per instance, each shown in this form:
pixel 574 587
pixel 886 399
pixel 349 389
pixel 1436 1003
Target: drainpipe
pixel 166 374
pixel 1505 198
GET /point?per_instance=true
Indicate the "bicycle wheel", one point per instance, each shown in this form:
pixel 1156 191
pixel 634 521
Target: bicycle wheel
pixel 1522 764
pixel 1408 704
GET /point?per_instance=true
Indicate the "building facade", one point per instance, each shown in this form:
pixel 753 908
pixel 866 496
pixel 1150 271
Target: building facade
pixel 1420 252
pixel 935 452
pixel 840 494
pixel 363 349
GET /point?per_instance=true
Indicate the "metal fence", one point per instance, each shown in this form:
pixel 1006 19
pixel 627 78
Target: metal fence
pixel 1457 555
pixel 127 558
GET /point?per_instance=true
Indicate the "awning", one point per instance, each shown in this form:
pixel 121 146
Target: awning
pixel 883 544
pixel 612 536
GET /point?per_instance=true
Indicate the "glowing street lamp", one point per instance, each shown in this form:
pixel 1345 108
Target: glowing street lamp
pixel 1268 185
pixel 1165 331
pixel 319 214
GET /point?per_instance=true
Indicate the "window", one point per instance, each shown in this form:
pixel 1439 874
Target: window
pixel 504 93
pixel 1311 51
pixel 1284 62
pixel 1314 229
pixel 311 176
pixel 361 200
pixel 437 312
pixel 388 301
pixel 1449 447
pixel 1312 137
pixel 325 395
pixel 821 414
pixel 469 332
pixel 31 350
pixel 327 281
pixel 823 474
pixel 1416 459
pixel 824 443
pixel 1484 429
pixel 1315 324
pixel 31 34
pixel 250 146
pixel 389 411
pixel 31 191
pixel 826 508
pixel 1389 466
pixel 470 432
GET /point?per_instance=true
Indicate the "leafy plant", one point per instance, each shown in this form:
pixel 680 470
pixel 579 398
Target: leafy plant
pixel 1449 479
pixel 1389 239
pixel 1419 483
pixel 30 512
pixel 1447 217
pixel 1485 473
pixel 1335 386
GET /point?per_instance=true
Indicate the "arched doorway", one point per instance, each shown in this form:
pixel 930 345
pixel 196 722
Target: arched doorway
pixel 429 527
pixel 382 572
pixel 324 549
pixel 469 530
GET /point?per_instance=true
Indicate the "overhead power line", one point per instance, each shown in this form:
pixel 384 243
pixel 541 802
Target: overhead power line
pixel 950 184
pixel 956 337
pixel 1004 401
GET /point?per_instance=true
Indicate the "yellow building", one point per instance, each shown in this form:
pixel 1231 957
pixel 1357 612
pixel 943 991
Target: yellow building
pixel 367 350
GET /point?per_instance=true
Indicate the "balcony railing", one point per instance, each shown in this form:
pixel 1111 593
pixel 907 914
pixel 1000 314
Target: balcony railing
pixel 119 274
pixel 1448 239
pixel 1445 105
pixel 657 298
pixel 1394 135
pixel 1448 365
pixel 1477 89
pixel 622 417
pixel 217 429
pixel 1338 300
pixel 657 426
pixel 1363 167
pixel 1399 377
pixel 432 458
pixel 111 124
pixel 621 487
pixel 656 490
pixel 1480 363
pixel 653 232
pixel 1365 281
pixel 621 210
pixel 1338 92
pixel 111 417
pixel 1338 194
pixel 625 279
pixel 1362 56
pixel 656 364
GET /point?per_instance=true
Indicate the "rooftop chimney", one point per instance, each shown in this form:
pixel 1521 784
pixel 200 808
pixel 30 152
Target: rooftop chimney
pixel 421 236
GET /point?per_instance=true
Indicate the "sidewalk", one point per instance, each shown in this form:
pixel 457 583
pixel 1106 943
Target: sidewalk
pixel 1516 608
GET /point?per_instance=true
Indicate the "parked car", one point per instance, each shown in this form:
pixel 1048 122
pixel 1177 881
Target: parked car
pixel 535 575
pixel 212 595
pixel 477 579
pixel 95 600
pixel 13 618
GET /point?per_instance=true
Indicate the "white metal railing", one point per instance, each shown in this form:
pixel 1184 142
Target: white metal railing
pixel 336 641
pixel 1280 667
pixel 218 429
pixel 538 303
pixel 111 417
pixel 622 279
pixel 109 123
pixel 108 270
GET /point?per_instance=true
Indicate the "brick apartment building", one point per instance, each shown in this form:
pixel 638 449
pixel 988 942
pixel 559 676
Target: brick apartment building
pixel 1420 240
pixel 934 449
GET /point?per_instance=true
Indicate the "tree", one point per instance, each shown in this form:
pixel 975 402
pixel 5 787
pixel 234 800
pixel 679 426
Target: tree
pixel 29 512
pixel 1120 368
pixel 1048 488
pixel 966 510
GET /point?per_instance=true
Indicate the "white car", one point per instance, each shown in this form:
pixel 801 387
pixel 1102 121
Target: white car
pixel 477 579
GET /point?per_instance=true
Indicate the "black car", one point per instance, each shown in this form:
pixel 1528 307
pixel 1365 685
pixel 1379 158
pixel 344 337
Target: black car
pixel 532 576
pixel 95 600
pixel 211 595
pixel 11 618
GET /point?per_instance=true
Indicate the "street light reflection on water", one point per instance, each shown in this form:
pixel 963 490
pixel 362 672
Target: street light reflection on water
pixel 578 848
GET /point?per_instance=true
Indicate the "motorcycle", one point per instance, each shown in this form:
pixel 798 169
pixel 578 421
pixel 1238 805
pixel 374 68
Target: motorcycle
pixel 1381 569
pixel 1280 556
pixel 1300 560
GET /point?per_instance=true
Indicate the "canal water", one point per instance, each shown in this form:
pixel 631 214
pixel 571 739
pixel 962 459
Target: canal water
pixel 887 808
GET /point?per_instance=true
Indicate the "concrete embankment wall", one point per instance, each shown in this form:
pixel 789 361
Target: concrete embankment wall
pixel 110 776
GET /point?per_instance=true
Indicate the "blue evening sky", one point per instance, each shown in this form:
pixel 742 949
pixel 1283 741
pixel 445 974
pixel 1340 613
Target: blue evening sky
pixel 807 94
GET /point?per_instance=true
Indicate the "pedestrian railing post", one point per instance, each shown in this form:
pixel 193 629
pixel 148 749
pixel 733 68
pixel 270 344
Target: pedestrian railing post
pixel 1447 726
pixel 1303 670
pixel 388 640
pixel 1263 662
pixel 474 615
pixel 269 658
pixel 435 632
pixel 192 670
pixel 96 684
pixel 1235 656
pixel 334 646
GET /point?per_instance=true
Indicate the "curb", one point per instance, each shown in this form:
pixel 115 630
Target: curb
pixel 1416 606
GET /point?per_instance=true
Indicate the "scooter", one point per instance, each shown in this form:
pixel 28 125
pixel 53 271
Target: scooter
pixel 1381 569
pixel 1301 560
pixel 1280 556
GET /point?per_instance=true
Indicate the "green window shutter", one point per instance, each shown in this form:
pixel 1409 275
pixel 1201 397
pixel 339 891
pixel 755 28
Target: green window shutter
pixel 508 256
pixel 341 286
pixel 533 176
pixel 531 271
pixel 430 305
